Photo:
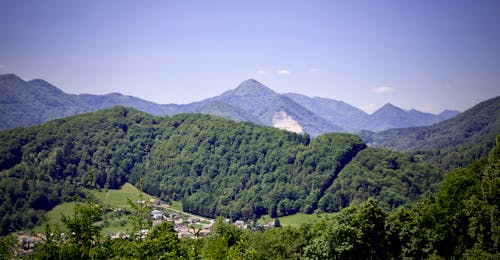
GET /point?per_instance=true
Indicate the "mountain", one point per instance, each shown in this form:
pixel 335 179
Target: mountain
pixel 273 109
pixel 26 103
pixel 337 112
pixel 354 120
pixel 98 102
pixel 388 116
pixel 251 96
pixel 451 143
pixel 447 114
pixel 37 101
pixel 215 166
pixel 225 110
pixel 33 102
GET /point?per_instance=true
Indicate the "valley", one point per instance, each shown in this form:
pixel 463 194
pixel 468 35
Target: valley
pixel 220 168
pixel 280 130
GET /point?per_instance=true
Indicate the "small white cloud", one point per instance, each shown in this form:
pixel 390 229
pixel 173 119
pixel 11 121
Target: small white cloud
pixel 283 72
pixel 382 89
pixel 314 69
pixel 261 72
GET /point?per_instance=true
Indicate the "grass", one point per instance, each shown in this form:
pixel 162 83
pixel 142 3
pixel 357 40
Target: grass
pixel 111 198
pixel 54 217
pixel 120 224
pixel 298 219
pixel 115 199
pixel 177 205
pixel 119 198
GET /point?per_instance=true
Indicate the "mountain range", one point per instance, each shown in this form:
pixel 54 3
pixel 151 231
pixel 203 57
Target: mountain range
pixel 25 103
pixel 452 143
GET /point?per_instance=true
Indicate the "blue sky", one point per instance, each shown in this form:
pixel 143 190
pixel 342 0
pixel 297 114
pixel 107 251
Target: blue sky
pixel 428 55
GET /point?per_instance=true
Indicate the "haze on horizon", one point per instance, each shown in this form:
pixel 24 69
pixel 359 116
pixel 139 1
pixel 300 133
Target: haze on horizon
pixel 427 55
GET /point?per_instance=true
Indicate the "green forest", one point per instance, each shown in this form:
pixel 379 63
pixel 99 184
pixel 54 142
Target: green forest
pixel 461 220
pixel 453 143
pixel 214 166
pixel 389 204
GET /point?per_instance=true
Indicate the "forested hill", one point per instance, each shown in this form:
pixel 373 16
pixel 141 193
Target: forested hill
pixel 452 143
pixel 213 165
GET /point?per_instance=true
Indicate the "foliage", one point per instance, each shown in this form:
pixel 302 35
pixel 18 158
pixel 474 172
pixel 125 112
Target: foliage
pixel 460 221
pixel 393 179
pixel 465 218
pixel 42 166
pixel 449 144
pixel 161 243
pixel 83 239
pixel 212 165
pixel 7 247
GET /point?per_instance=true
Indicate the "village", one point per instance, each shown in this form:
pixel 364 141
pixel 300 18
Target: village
pixel 187 225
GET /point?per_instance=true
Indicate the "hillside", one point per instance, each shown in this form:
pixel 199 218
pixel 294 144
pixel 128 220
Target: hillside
pixel 26 103
pixel 454 142
pixel 458 222
pixel 213 165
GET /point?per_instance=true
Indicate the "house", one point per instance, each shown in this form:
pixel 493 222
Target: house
pixel 142 234
pixel 193 220
pixel 120 235
pixel 158 216
pixel 154 212
pixel 240 224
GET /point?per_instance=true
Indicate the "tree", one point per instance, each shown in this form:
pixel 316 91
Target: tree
pixel 277 223
pixel 162 243
pixel 84 235
pixel 370 220
pixel 7 250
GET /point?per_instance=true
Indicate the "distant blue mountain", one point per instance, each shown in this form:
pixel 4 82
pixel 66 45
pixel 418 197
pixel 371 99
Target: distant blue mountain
pixel 25 103
pixel 354 119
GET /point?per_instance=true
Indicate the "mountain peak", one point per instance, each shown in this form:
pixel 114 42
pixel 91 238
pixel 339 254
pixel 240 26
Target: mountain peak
pixel 447 114
pixel 45 86
pixel 449 111
pixel 389 107
pixel 9 76
pixel 39 82
pixel 252 87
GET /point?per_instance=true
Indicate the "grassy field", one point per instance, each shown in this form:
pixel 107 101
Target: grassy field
pixel 54 217
pixel 298 219
pixel 119 198
pixel 117 224
pixel 110 198
pixel 177 205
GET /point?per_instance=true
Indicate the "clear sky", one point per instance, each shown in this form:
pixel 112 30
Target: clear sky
pixel 428 55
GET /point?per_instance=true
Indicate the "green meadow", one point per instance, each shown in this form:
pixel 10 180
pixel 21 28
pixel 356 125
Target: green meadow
pixel 298 219
pixel 113 199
